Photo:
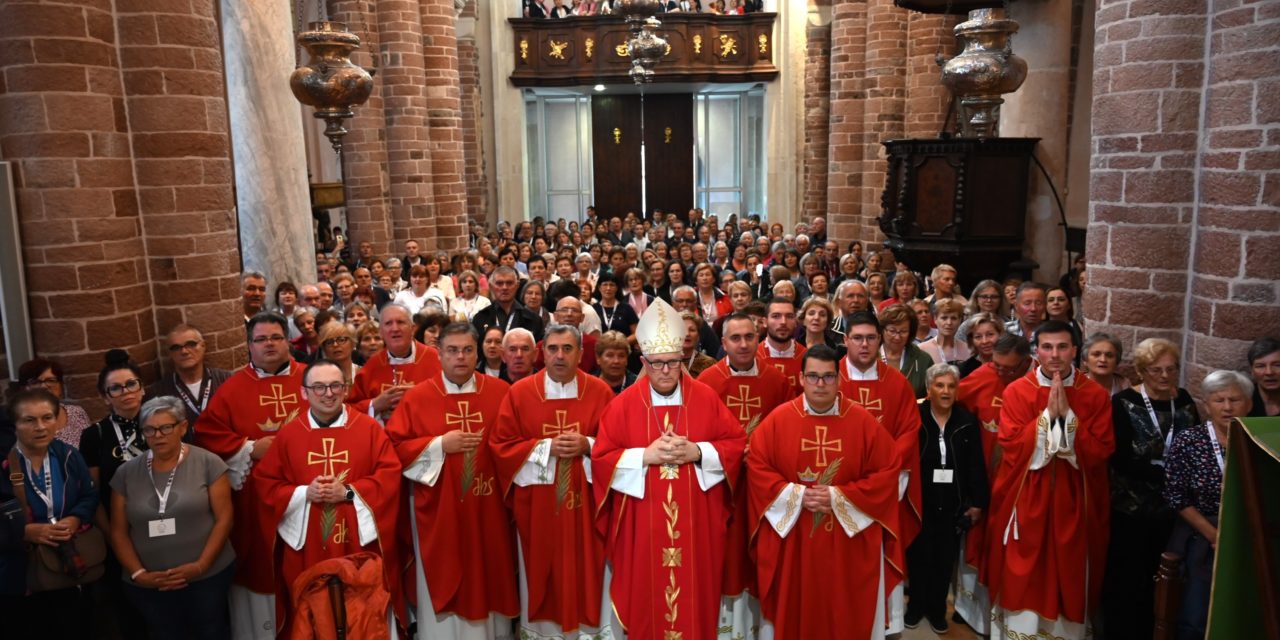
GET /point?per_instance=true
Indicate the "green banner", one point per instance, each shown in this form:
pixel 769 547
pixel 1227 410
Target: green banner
pixel 1236 609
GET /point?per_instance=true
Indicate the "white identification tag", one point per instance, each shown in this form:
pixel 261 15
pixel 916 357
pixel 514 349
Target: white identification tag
pixel 943 476
pixel 162 527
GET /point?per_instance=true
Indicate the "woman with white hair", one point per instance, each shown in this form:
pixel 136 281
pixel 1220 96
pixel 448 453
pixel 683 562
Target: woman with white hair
pixel 1194 468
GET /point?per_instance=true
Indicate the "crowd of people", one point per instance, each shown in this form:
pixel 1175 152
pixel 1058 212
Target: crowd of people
pixel 566 8
pixel 626 427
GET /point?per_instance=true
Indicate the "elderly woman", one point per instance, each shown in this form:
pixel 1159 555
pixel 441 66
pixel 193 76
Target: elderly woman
pixel 338 343
pixel 172 542
pixel 115 439
pixel 980 332
pixel 899 323
pixel 533 296
pixel 286 298
pixel 368 341
pixel 306 346
pixel 712 302
pixel 954 493
pixel 944 347
pixel 694 361
pixel 1146 419
pixel 356 315
pixel 1102 354
pixel 877 289
pixel 815 325
pixel 1194 470
pixel 48 375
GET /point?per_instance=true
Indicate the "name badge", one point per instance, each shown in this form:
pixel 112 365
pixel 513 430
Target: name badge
pixel 162 527
pixel 943 476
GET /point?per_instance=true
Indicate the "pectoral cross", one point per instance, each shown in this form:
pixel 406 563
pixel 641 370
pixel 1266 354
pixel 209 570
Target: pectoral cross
pixel 327 456
pixel 278 399
pixel 743 402
pixel 864 400
pixel 464 418
pixel 553 430
pixel 821 445
pixel 397 379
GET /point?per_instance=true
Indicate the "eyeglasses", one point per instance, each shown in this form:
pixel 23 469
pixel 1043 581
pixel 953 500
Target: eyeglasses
pixel 894 331
pixel 826 378
pixel 335 341
pixel 1157 372
pixel 189 345
pixel 663 365
pixel 334 388
pixel 164 430
pixel 265 339
pixel 130 386
pixel 47 383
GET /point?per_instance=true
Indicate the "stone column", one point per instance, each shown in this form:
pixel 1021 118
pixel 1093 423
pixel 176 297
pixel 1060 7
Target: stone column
pixel 1039 109
pixel 440 71
pixel 927 100
pixel 272 198
pixel 847 106
pixel 886 97
pixel 817 109
pixel 784 113
pixel 474 116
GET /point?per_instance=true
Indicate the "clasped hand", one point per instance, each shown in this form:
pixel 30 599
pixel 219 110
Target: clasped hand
pixel 326 489
pixel 173 579
pixel 1058 406
pixel 672 449
pixel 569 444
pixel 817 498
pixel 52 534
pixel 461 441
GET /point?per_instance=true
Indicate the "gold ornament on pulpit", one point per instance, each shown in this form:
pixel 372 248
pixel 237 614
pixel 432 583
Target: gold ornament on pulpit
pixel 329 80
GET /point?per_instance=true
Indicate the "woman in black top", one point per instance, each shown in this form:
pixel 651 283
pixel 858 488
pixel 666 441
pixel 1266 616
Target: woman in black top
pixel 614 314
pixel 1146 419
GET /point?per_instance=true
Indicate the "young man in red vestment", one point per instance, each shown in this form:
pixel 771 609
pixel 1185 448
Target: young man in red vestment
pixel 542 444
pixel 667 455
pixel 822 481
pixel 981 393
pixel 889 398
pixel 332 480
pixel 751 390
pixel 464 572
pixel 403 362
pixel 1047 537
pixel 780 349
pixel 239 425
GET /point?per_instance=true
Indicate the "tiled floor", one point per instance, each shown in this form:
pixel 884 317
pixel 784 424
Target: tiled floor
pixel 956 632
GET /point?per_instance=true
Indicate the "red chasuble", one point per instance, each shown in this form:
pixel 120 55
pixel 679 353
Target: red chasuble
pixel 817 582
pixel 892 402
pixel 563 551
pixel 378 374
pixel 360 454
pixel 250 407
pixel 1056 517
pixel 790 367
pixel 667 550
pixel 464 529
pixel 749 399
pixel 980 393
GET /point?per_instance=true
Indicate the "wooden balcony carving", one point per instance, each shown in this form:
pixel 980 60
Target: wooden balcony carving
pixel 591 50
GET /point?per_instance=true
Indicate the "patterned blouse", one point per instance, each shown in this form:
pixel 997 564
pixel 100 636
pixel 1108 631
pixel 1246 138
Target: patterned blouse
pixel 1193 478
pixel 1137 472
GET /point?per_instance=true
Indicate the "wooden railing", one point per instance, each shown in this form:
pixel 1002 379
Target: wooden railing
pixel 590 50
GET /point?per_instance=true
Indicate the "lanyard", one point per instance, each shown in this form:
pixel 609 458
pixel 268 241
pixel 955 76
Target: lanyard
pixel 127 452
pixel 942 442
pixel 608 319
pixel 902 360
pixel 164 497
pixel 1217 448
pixel 45 496
pixel 183 391
pixel 1155 421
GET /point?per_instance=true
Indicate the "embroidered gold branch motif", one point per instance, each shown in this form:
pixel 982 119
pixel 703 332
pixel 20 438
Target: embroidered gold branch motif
pixel 827 476
pixel 671 558
pixel 672 594
pixel 329 516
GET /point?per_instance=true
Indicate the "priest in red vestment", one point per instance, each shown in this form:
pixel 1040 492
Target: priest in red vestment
pixel 1048 531
pixel 239 425
pixel 822 481
pixel 889 398
pixel 750 389
pixel 981 393
pixel 542 445
pixel 332 480
pixel 780 349
pixel 667 455
pixel 403 362
pixel 464 573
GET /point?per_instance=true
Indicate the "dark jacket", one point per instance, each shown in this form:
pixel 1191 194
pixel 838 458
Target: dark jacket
pixel 964 456
pixel 494 316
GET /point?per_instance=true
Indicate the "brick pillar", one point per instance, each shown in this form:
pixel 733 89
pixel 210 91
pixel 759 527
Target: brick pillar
pixel 927 100
pixel 364 150
pixel 886 94
pixel 1236 268
pixel 476 179
pixel 405 107
pixel 1148 70
pixel 444 117
pixel 177 116
pixel 65 128
pixel 847 106
pixel 817 115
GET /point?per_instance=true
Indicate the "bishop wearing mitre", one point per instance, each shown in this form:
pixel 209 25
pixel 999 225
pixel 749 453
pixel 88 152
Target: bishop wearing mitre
pixel 667 459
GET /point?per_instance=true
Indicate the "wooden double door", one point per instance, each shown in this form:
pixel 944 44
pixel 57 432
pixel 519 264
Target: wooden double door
pixel 666 180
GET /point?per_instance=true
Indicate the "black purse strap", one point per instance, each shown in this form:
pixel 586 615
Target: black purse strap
pixel 18 479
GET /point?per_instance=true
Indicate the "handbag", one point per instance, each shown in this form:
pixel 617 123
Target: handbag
pixel 78 561
pixel 13 522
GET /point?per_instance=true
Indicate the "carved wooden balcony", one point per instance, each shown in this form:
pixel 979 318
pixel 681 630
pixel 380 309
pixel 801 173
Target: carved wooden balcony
pixel 591 50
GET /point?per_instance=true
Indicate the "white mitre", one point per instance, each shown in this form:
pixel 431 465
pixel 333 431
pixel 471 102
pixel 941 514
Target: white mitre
pixel 660 330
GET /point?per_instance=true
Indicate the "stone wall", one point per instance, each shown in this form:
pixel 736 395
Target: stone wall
pixel 474 175
pixel 1185 180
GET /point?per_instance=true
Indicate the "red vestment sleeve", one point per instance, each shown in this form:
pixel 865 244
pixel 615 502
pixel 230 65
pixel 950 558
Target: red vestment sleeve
pixel 214 428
